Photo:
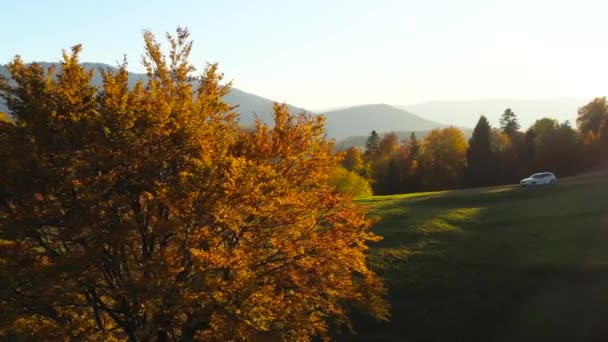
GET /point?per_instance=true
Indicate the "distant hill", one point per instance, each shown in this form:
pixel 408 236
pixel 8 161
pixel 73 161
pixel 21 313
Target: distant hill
pixel 466 113
pixel 360 140
pixel 361 120
pixel 342 123
pixel 248 105
pixel 251 106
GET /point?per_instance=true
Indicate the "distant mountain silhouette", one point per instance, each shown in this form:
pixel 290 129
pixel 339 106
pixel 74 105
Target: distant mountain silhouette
pixel 361 120
pixel 466 113
pixel 251 106
pixel 248 106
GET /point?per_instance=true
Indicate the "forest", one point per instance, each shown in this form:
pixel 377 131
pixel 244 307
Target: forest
pixel 144 211
pixel 444 159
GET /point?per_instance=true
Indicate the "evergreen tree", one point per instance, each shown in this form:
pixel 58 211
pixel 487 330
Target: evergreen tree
pixel 480 158
pixel 412 179
pixel 413 145
pixel 508 122
pixel 372 146
pixel 393 179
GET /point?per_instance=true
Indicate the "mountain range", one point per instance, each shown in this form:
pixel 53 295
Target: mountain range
pixel 361 120
pixel 466 113
pixel 358 121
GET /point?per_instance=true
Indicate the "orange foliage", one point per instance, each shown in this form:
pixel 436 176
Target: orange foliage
pixel 145 213
pixel 443 158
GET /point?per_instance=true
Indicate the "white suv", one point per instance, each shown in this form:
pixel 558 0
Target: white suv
pixel 543 178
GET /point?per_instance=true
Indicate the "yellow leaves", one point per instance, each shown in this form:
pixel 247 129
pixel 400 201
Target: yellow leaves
pixel 161 209
pixel 348 182
pixel 443 157
pixel 39 324
pixel 4 119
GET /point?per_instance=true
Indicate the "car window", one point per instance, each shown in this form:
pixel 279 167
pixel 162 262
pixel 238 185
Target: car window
pixel 537 176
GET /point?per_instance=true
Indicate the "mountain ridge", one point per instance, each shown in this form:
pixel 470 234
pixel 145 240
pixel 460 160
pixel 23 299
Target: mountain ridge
pixel 380 117
pixel 359 120
pixel 247 105
pixel 341 123
pixel 466 112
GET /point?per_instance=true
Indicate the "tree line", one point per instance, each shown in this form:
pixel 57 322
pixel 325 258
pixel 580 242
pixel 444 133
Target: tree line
pixel 445 159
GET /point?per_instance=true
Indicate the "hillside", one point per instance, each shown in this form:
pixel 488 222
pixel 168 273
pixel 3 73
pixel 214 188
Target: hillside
pixel 248 105
pixel 342 123
pixel 493 264
pixel 361 120
pixel 251 106
pixel 466 113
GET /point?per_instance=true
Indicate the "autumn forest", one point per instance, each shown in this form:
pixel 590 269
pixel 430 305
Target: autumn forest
pixel 146 212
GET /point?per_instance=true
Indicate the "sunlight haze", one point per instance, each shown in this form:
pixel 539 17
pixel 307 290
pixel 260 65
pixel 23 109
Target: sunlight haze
pixel 323 54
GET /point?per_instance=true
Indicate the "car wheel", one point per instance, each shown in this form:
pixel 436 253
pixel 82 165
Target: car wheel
pixel 552 182
pixel 533 184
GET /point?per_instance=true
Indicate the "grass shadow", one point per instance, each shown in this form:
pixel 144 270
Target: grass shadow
pixel 465 265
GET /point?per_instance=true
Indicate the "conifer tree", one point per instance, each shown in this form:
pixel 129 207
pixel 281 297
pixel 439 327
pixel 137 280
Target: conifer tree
pixel 508 122
pixel 481 161
pixel 372 146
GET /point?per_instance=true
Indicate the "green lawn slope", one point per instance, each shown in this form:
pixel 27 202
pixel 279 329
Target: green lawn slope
pixel 494 264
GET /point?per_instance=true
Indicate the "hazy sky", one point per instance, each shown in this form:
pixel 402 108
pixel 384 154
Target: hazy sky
pixel 319 54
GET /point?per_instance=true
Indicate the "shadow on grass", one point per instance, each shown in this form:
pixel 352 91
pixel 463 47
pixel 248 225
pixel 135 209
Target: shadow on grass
pixel 491 264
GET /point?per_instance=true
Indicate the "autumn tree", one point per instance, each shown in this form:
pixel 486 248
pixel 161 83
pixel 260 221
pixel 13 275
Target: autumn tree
pixel 592 145
pixel 543 126
pixel 443 158
pixel 602 138
pixel 558 150
pixel 349 182
pixel 413 145
pixel 481 160
pixel 353 160
pixel 384 166
pixel 388 144
pixel 592 115
pixel 411 169
pixel 4 117
pixel 508 122
pixel 506 156
pixel 145 213
pixel 528 151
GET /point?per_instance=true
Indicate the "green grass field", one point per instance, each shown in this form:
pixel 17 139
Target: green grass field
pixel 494 264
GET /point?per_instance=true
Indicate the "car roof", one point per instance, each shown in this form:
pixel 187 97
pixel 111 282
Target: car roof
pixel 543 174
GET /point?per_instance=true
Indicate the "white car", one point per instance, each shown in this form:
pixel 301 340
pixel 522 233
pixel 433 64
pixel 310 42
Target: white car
pixel 543 178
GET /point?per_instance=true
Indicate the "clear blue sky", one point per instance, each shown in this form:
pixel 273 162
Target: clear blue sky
pixel 319 54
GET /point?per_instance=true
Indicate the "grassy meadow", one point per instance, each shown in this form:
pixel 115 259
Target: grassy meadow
pixel 494 264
